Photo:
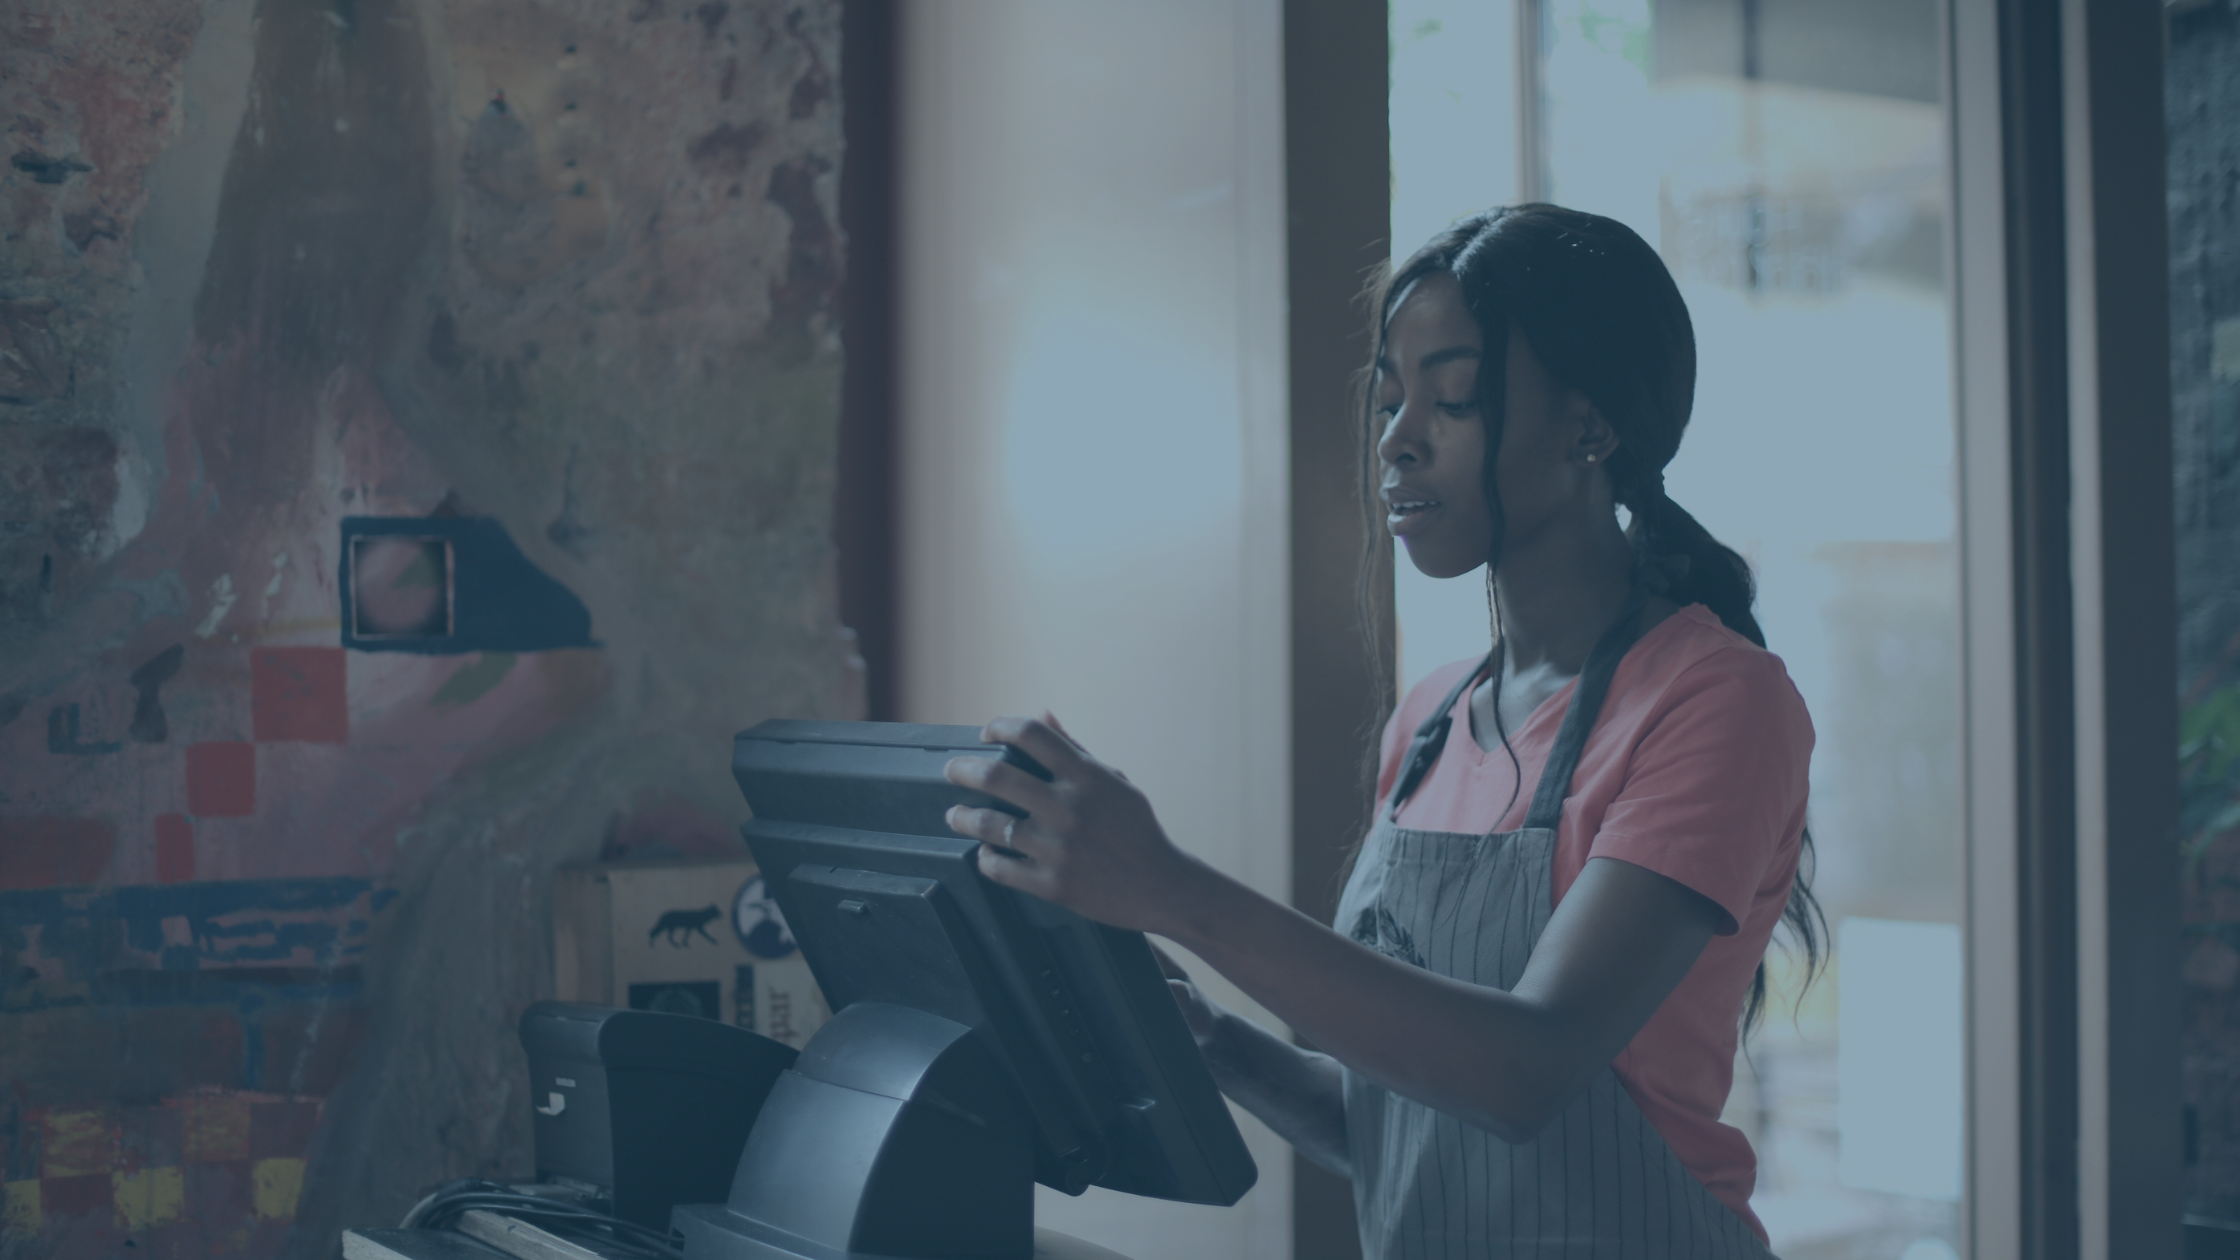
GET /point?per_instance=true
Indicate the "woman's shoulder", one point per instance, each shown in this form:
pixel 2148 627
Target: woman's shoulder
pixel 1692 655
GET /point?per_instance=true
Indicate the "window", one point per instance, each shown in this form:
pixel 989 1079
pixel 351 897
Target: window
pixel 1788 160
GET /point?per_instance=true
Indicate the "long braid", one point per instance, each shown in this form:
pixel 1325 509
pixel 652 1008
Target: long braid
pixel 1684 563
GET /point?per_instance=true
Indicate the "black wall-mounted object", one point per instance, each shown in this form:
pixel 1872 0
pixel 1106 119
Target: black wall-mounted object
pixel 984 1039
pixel 650 1109
pixel 449 585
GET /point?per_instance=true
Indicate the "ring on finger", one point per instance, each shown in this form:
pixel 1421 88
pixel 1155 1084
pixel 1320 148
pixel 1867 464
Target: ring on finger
pixel 1009 826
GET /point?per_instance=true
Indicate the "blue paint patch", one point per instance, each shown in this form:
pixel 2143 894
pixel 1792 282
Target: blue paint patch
pixel 64 738
pixel 286 939
pixel 108 947
pixel 499 601
pixel 252 1040
pixel 143 908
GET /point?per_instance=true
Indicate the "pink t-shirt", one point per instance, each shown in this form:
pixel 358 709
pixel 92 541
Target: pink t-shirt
pixel 1696 769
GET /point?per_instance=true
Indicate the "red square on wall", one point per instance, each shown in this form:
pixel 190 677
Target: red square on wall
pixel 52 852
pixel 221 780
pixel 174 849
pixel 76 1196
pixel 283 1128
pixel 299 693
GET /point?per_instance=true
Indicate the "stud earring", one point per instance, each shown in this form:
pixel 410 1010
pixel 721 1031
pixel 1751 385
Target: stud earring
pixel 1590 457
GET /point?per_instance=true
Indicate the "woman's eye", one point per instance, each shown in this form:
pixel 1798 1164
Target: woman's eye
pixel 1459 409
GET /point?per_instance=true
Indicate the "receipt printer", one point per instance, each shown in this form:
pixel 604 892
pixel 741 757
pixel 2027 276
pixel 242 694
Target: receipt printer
pixel 647 1109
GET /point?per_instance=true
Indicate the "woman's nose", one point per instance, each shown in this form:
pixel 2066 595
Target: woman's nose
pixel 1401 441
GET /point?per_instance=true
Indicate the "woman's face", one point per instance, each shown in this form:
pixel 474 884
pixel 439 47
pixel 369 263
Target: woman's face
pixel 1433 446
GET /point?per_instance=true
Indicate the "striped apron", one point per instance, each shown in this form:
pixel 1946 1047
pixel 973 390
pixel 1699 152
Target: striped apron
pixel 1598 1181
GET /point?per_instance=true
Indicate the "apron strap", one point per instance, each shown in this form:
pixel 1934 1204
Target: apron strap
pixel 1586 706
pixel 1431 740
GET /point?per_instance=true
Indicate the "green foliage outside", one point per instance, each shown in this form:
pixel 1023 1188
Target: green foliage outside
pixel 2208 796
pixel 2208 753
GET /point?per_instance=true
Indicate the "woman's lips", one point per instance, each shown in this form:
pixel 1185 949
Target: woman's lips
pixel 1405 516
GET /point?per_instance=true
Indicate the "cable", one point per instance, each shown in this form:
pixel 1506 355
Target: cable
pixel 604 1231
pixel 607 1232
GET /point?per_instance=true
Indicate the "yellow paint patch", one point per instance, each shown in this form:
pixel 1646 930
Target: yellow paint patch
pixel 20 1208
pixel 276 1184
pixel 78 1144
pixel 217 1127
pixel 150 1197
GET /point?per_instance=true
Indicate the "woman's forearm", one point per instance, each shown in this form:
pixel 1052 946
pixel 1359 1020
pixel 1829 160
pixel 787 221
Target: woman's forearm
pixel 1407 1029
pixel 1297 1093
pixel 1507 1061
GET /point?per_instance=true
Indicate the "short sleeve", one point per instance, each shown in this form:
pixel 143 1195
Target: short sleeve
pixel 1388 756
pixel 1715 790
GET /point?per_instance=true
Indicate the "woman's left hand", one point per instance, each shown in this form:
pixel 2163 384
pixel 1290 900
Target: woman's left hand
pixel 1089 841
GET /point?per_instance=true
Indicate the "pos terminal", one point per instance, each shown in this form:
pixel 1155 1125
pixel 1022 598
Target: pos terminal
pixel 982 1040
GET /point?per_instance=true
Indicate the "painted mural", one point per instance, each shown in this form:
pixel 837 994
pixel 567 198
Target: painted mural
pixel 416 456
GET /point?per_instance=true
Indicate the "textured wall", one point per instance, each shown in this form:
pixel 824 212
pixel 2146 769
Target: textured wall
pixel 2203 111
pixel 561 273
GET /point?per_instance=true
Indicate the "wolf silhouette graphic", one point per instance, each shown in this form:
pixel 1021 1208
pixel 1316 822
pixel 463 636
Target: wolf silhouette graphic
pixel 679 926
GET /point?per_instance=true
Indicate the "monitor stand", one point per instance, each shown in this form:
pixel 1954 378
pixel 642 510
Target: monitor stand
pixel 895 1135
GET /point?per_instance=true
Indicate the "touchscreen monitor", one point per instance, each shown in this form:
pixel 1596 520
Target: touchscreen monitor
pixel 889 906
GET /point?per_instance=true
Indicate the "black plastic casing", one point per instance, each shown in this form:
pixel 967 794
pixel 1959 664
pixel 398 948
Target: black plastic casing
pixel 889 907
pixel 649 1108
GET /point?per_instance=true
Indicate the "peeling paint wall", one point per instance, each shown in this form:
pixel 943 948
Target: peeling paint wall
pixel 544 289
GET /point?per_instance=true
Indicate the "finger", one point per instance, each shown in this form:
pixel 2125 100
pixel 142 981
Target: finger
pixel 1051 720
pixel 1032 843
pixel 1063 733
pixel 1011 872
pixel 1059 755
pixel 1167 965
pixel 985 825
pixel 1194 1012
pixel 1004 831
pixel 1004 782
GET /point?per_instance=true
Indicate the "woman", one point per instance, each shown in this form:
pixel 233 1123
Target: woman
pixel 1530 1006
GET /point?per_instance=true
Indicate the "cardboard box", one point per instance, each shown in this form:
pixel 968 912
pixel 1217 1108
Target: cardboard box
pixel 694 938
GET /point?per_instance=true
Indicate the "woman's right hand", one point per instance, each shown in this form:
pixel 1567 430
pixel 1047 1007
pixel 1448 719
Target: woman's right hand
pixel 1198 1011
pixel 1298 1094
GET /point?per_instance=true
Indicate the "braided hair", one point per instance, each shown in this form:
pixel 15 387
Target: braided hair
pixel 1600 310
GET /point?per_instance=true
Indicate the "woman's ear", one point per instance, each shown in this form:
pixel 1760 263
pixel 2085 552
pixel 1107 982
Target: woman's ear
pixel 1595 441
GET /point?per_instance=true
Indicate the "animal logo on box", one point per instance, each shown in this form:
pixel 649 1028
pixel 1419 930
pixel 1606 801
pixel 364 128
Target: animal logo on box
pixel 760 924
pixel 679 926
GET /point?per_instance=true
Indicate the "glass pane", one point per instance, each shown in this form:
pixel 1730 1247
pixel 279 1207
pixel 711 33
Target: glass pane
pixel 2203 86
pixel 1787 158
pixel 1454 153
